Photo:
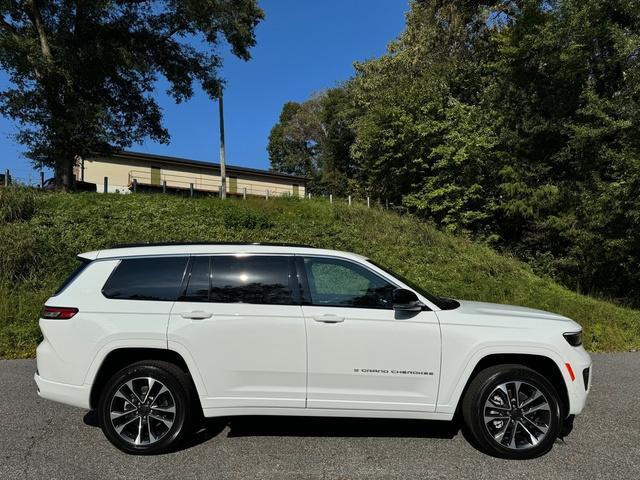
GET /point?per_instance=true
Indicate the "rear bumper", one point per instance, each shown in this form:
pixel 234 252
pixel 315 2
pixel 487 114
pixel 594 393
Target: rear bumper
pixel 74 395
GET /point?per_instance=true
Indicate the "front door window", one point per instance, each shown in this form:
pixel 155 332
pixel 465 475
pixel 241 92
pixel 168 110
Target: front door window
pixel 338 283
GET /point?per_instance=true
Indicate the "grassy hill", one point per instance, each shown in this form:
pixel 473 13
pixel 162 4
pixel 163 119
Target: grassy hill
pixel 40 234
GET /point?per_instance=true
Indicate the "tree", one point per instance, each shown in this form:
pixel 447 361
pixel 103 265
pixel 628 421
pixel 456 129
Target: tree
pixel 82 73
pixel 313 139
pixel 417 105
pixel 515 121
pixel 567 89
pixel 293 141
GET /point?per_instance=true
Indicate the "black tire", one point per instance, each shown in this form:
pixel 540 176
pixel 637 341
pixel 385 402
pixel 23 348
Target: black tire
pixel 179 398
pixel 474 407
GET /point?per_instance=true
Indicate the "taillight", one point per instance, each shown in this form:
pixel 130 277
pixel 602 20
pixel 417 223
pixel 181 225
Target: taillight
pixel 58 313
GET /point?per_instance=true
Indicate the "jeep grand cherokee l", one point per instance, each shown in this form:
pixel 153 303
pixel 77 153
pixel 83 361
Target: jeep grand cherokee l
pixel 154 336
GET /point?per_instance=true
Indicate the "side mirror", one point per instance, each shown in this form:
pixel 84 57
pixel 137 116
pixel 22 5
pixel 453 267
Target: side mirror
pixel 406 301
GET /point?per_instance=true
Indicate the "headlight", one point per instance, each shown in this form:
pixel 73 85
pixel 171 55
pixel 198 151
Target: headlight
pixel 574 338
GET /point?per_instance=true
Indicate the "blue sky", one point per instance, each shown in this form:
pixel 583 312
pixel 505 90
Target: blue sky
pixel 303 46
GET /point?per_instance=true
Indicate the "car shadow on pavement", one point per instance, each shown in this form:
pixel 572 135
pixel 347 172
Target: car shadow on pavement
pixel 91 418
pixel 281 426
pixel 205 430
pixel 339 427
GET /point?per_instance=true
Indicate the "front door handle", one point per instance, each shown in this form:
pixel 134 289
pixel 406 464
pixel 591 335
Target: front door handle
pixel 196 315
pixel 328 318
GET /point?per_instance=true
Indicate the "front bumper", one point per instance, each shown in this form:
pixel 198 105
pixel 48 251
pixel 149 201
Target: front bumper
pixel 74 395
pixel 579 387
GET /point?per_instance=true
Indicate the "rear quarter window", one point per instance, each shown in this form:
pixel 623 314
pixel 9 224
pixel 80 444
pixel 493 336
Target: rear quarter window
pixel 73 275
pixel 156 278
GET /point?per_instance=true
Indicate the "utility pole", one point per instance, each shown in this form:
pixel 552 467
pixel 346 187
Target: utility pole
pixel 223 175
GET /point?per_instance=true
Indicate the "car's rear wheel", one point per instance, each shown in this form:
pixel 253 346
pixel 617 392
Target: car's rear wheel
pixel 512 412
pixel 144 408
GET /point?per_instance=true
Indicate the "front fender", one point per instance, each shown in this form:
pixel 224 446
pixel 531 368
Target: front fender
pixel 456 375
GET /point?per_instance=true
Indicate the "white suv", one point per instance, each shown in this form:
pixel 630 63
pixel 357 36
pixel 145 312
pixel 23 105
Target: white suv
pixel 154 336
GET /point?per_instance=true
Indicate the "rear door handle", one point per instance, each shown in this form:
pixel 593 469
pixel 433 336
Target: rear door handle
pixel 328 318
pixel 196 315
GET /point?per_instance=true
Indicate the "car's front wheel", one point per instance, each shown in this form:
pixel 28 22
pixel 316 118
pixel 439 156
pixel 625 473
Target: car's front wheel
pixel 512 412
pixel 144 408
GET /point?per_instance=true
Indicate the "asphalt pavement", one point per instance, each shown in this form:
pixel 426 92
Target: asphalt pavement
pixel 44 440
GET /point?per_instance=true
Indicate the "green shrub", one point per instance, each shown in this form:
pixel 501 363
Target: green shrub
pixel 18 252
pixel 16 203
pixel 238 217
pixel 19 309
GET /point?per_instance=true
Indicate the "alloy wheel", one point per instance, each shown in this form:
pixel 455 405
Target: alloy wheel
pixel 142 411
pixel 517 415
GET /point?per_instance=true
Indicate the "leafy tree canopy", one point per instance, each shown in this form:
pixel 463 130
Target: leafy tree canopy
pixel 515 121
pixel 313 139
pixel 82 72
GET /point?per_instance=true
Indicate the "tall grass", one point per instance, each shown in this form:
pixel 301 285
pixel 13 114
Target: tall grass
pixel 39 252
pixel 16 203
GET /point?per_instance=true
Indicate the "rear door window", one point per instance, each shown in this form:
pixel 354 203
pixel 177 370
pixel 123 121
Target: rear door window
pixel 154 278
pixel 253 279
pixel 198 281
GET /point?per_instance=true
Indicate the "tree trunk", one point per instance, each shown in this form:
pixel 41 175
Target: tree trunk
pixel 64 162
pixel 63 172
pixel 42 34
pixel 57 175
pixel 67 181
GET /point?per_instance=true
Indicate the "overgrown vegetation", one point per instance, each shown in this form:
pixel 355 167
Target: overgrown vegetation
pixel 514 121
pixel 39 251
pixel 16 204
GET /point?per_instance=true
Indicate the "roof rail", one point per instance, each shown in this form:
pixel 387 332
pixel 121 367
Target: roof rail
pixel 164 244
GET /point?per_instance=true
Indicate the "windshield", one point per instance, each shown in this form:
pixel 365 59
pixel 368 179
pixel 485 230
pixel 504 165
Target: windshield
pixel 443 303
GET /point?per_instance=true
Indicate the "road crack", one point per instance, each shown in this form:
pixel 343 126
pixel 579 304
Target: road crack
pixel 34 440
